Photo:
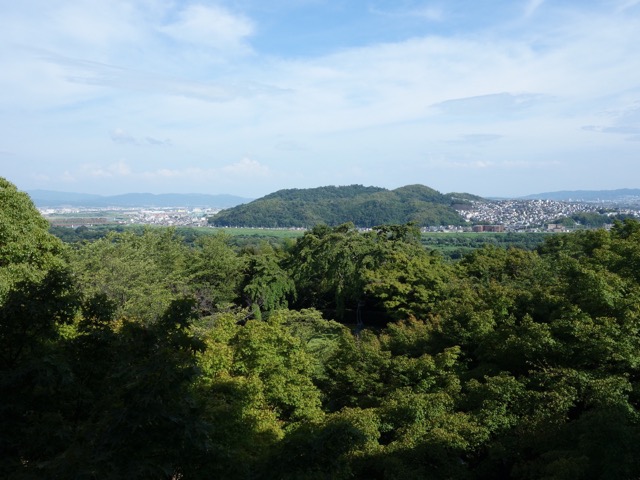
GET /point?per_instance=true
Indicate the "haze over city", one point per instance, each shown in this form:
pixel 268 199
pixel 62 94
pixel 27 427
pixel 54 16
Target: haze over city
pixel 496 98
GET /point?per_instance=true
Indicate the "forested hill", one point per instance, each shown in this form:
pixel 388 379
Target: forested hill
pixel 363 206
pixel 139 356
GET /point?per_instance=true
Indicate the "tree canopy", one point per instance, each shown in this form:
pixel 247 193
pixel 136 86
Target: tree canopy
pixel 344 355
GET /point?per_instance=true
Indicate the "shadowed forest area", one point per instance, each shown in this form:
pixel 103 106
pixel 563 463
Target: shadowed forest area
pixel 337 355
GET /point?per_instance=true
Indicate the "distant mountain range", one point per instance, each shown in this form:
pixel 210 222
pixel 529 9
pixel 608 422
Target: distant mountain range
pixel 48 198
pixel 619 195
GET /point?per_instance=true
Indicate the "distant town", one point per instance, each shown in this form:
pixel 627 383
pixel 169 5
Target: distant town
pixel 165 216
pixel 483 216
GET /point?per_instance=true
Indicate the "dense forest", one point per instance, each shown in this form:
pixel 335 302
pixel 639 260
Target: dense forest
pixel 451 245
pixel 363 206
pixel 339 355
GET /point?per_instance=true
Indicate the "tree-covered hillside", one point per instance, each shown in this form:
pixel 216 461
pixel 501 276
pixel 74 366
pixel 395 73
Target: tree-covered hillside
pixel 340 355
pixel 363 206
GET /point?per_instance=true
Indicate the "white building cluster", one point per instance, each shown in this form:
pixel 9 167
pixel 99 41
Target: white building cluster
pixel 529 215
pixel 168 217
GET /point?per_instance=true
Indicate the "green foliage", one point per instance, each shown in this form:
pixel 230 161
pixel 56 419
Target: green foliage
pixel 266 284
pixel 141 274
pixel 365 207
pixel 84 233
pixel 457 245
pixel 591 219
pixel 36 298
pixel 27 251
pixel 406 279
pixel 506 364
pixel 341 269
pixel 213 272
pixel 326 265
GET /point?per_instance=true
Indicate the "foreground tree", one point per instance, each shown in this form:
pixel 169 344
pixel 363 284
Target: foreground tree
pixel 142 274
pixel 36 299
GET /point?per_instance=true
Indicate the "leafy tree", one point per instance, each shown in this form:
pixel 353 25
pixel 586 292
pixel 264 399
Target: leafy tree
pixel 36 298
pixel 142 274
pixel 327 265
pixel 129 411
pixel 266 284
pixel 214 272
pixel 405 278
pixel 27 251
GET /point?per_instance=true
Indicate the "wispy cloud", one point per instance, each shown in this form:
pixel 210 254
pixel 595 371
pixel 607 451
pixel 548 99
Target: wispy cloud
pixel 475 139
pixel 217 79
pixel 246 166
pixel 625 121
pixel 211 27
pixel 627 4
pixel 114 170
pixel 532 6
pixel 491 104
pixel 478 164
pixel 88 72
pixel 430 13
pixel 121 136
pixel 160 143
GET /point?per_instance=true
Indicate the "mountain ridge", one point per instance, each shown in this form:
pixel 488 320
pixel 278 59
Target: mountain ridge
pixel 332 205
pixel 619 194
pixel 51 198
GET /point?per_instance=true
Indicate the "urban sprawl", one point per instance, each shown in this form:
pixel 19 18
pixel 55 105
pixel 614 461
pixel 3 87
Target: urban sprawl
pixel 501 215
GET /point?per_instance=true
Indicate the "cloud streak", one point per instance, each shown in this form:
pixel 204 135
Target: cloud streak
pixel 532 6
pixel 212 27
pixel 243 169
pixel 487 105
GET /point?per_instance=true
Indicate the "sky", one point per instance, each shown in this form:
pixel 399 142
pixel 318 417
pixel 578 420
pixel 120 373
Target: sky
pixel 247 97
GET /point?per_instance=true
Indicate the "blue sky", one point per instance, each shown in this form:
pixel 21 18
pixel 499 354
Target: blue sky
pixel 492 97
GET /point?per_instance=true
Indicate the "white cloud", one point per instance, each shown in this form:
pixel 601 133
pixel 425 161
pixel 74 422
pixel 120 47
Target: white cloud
pixel 488 105
pixel 157 142
pixel 114 170
pixel 210 26
pixel 121 136
pixel 246 166
pixel 430 13
pixel 625 121
pixel 68 177
pixel 73 71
